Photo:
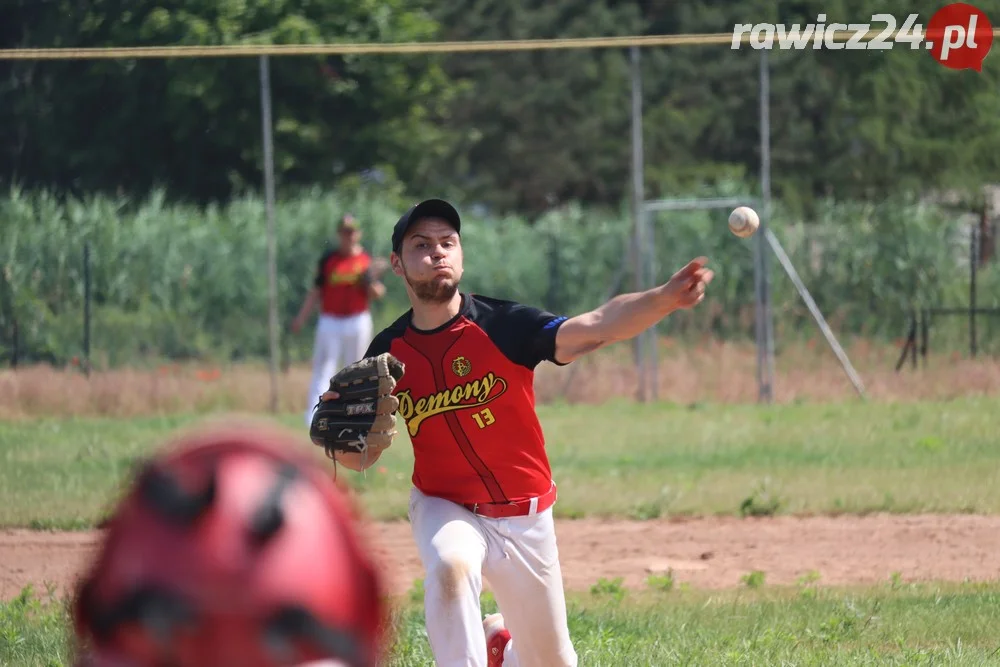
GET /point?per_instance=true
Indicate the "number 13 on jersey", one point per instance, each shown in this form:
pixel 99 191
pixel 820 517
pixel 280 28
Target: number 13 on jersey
pixel 484 417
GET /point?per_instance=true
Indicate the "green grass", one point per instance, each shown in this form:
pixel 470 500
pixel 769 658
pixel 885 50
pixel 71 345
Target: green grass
pixel 642 461
pixel 892 624
pixel 619 459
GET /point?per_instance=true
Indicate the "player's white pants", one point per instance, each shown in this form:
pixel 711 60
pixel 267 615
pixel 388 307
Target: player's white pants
pixel 339 341
pixel 518 557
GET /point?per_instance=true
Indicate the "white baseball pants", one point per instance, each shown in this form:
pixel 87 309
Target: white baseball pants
pixel 339 341
pixel 519 558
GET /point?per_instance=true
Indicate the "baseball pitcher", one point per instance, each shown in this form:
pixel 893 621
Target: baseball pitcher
pixel 459 368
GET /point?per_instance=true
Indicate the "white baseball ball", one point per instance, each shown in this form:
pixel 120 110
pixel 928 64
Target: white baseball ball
pixel 743 221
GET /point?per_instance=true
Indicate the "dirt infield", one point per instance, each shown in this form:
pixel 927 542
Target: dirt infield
pixel 704 552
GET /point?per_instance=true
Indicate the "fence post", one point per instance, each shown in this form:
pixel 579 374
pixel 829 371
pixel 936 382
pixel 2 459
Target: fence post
pixel 638 199
pixel 86 309
pixel 554 291
pixel 924 334
pixel 911 343
pixel 272 279
pixel 973 260
pixel 8 304
pixel 14 343
pixel 765 320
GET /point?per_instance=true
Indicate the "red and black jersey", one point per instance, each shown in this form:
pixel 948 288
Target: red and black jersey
pixel 341 281
pixel 468 399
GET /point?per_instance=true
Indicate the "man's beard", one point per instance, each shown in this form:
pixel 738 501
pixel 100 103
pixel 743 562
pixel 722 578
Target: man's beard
pixel 431 291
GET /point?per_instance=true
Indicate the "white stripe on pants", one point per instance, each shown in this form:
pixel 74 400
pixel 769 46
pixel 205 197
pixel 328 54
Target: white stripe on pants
pixel 339 341
pixel 518 557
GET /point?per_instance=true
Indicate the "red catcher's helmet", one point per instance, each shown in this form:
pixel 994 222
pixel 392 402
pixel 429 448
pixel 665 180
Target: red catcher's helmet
pixel 233 549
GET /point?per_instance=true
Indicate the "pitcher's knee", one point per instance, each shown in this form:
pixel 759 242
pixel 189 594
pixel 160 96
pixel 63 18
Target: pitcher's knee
pixel 452 575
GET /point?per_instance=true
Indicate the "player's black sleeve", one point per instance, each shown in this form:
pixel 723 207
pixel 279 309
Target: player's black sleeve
pixel 526 335
pixel 319 278
pixel 537 337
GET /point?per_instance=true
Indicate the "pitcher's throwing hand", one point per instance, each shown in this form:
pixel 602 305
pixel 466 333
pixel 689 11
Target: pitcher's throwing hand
pixel 688 285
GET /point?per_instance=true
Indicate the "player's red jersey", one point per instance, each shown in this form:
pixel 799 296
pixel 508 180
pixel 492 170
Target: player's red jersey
pixel 468 399
pixel 340 279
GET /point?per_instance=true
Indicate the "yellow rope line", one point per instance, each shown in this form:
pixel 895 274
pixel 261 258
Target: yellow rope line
pixel 324 49
pixel 221 51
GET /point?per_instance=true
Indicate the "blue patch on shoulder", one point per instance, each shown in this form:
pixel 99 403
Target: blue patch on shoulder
pixel 553 322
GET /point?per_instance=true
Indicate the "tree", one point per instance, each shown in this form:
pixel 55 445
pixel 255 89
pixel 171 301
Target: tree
pixel 539 128
pixel 848 124
pixel 192 125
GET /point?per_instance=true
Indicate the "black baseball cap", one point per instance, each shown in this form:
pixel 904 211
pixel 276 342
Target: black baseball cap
pixel 429 208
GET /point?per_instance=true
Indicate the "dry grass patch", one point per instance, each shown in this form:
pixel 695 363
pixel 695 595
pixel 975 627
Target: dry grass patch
pixel 710 372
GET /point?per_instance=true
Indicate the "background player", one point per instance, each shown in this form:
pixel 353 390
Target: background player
pixel 232 549
pixel 347 280
pixel 482 496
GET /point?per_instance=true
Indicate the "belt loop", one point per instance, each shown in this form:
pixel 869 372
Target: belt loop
pixel 533 506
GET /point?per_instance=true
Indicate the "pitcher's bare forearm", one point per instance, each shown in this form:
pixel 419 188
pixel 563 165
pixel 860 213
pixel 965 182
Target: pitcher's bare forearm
pixel 312 298
pixel 621 318
pixel 628 315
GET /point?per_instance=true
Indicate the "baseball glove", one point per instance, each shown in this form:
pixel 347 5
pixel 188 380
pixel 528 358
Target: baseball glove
pixel 363 416
pixel 374 273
